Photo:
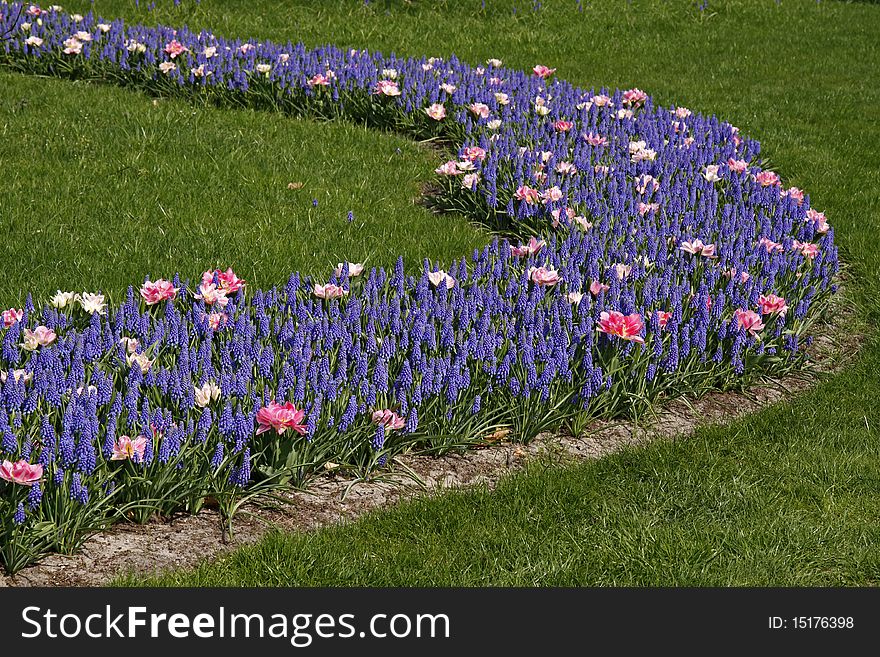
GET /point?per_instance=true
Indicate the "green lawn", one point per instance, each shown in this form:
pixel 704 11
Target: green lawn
pixel 787 496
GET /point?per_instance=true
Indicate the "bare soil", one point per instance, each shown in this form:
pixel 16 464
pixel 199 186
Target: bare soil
pixel 186 540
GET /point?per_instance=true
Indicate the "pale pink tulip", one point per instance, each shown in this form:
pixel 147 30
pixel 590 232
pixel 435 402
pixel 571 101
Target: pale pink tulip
pixel 126 448
pixel 447 169
pixel 479 109
pixel 211 295
pixel 533 246
pixel 355 269
pixel 386 88
pixel 645 208
pixel 710 173
pixel 441 279
pixel 767 178
pixel 543 71
pixel 594 139
pixel 436 111
pixel 737 166
pixel 562 126
pixel 329 291
pixel 819 219
pixel 663 318
pixel 597 288
pixel 770 245
pixel 544 276
pixel 216 320
pixel 646 184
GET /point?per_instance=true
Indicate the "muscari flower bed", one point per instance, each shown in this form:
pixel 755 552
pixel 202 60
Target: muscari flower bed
pixel 649 255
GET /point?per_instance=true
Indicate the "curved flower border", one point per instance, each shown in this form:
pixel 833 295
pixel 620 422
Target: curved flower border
pixel 655 256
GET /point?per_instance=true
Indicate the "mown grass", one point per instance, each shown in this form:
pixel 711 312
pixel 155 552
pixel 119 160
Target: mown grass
pixel 786 496
pixel 103 186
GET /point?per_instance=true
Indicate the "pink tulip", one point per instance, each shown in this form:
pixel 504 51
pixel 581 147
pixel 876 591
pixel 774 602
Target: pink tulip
pixel 436 111
pixel 562 126
pixel 526 194
pixel 544 276
pixel 795 193
pixel 229 282
pixel 386 88
pixel 389 419
pixel 597 288
pixel 771 303
pixel 21 472
pixel 601 100
pixel 682 112
pixel 175 48
pixel 711 173
pixel 566 168
pixel 329 291
pixel 737 166
pixel 634 97
pixel 696 247
pixel 318 80
pixel 448 88
pixel 543 71
pixel 441 279
pixel 663 318
pixel 808 249
pixel 125 449
pixel 155 291
pixel 626 327
pixel 281 417
pixel 12 316
pixel 594 139
pixel 474 153
pixel 749 320
pixel 767 178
